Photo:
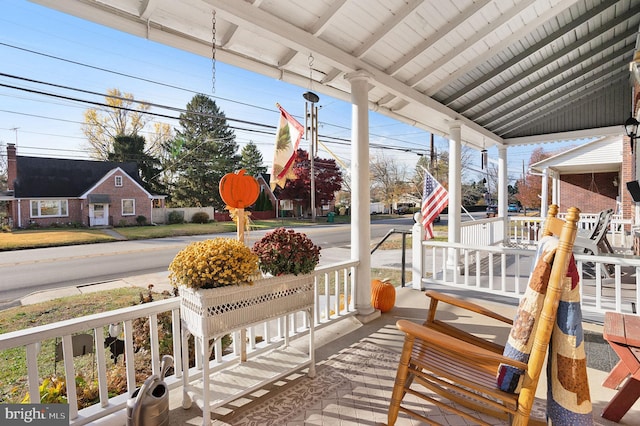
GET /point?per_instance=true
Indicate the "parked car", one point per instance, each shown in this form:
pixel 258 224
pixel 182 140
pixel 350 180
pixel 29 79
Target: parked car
pixel 492 211
pixel 513 208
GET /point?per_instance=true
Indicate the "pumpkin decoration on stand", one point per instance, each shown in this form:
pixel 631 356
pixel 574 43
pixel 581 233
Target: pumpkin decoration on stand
pixel 383 294
pixel 239 191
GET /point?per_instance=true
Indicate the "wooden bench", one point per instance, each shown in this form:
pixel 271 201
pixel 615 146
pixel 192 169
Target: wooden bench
pixel 622 331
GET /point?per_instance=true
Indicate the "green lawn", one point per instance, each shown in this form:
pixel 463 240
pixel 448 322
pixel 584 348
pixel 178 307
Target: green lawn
pixel 50 237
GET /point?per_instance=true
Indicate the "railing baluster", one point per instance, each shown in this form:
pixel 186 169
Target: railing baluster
pixel 177 347
pixel 154 343
pixel 129 356
pixel 33 377
pixel 101 360
pixel 70 375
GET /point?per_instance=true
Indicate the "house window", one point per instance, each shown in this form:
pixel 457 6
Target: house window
pixel 118 180
pixel 49 208
pixel 128 207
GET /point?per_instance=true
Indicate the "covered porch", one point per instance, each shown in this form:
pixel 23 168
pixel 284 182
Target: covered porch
pixel 486 74
pixel 355 363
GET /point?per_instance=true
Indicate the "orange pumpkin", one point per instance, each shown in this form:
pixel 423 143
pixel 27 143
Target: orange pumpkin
pixel 383 295
pixel 239 190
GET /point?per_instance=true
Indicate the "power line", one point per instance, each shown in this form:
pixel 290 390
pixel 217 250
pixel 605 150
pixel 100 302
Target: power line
pixel 34 52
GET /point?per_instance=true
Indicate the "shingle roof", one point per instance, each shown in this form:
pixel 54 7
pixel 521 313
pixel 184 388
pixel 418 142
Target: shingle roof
pixel 55 177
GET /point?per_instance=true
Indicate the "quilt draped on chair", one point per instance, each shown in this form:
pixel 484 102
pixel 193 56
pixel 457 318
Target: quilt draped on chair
pixel 568 399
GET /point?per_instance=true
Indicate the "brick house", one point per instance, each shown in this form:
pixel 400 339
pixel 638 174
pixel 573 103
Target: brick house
pixel 591 176
pixel 49 191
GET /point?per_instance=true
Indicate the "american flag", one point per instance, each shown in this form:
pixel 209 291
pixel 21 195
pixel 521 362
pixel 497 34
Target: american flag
pixel 434 199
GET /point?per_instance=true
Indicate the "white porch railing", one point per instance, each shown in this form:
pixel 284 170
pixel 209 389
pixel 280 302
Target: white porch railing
pixel 335 300
pixel 523 230
pixel 505 271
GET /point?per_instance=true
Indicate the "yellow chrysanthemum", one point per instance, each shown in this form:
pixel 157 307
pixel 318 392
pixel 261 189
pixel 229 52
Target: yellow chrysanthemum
pixel 213 263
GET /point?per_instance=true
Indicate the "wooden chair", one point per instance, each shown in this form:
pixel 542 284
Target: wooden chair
pixel 462 367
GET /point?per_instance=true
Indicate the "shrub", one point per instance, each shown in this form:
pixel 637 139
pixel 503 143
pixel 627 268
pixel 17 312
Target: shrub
pixel 200 217
pixel 175 217
pixel 141 220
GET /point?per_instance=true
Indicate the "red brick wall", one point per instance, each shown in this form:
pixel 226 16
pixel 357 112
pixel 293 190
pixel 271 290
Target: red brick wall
pixel 12 166
pixel 128 190
pixel 74 209
pixel 590 193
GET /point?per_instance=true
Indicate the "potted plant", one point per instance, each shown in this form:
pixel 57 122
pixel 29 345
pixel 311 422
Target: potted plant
pixel 284 251
pixel 213 263
pixel 221 289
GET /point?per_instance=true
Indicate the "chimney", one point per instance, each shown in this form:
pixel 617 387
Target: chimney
pixel 12 168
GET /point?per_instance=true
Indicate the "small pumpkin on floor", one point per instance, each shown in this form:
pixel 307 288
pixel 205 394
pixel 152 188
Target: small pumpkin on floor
pixel 383 294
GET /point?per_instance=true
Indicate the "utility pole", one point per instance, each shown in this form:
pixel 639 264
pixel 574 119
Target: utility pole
pixel 15 129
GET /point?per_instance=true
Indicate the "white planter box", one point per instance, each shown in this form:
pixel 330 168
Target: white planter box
pixel 213 312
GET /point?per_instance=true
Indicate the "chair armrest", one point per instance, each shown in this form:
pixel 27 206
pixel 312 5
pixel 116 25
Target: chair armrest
pixel 464 304
pixel 446 343
pixel 586 243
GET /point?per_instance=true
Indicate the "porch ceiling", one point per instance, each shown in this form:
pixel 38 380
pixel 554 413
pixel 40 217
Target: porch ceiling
pixel 512 71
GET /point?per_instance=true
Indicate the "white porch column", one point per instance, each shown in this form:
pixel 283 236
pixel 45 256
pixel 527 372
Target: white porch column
pixel 455 190
pixel 503 193
pixel 555 187
pixel 360 198
pixel 544 203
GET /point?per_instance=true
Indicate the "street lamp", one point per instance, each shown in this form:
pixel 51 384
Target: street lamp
pixel 631 128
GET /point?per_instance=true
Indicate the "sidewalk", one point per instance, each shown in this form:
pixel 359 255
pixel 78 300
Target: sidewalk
pixel 160 280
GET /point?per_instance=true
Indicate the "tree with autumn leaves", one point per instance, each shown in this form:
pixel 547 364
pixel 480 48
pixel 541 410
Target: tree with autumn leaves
pixel 530 186
pixel 328 180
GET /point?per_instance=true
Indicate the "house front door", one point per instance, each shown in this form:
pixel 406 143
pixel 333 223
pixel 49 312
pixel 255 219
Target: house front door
pixel 98 214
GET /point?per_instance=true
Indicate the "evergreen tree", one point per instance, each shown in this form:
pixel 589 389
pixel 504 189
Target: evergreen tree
pixel 207 153
pixel 131 148
pixel 251 160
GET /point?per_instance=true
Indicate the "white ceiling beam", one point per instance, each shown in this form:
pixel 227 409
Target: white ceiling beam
pixel 316 30
pixel 455 51
pixel 274 28
pixel 387 27
pixel 565 136
pixel 520 77
pixel 505 43
pixel 438 35
pixel 572 100
pixel 325 19
pixel 591 65
pixel 530 104
pixel 147 7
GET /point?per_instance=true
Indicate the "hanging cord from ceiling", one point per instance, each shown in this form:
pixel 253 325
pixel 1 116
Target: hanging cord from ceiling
pixel 593 187
pixel 213 52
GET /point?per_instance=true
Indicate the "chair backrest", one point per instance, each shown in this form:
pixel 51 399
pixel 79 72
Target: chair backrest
pixel 600 229
pixel 566 231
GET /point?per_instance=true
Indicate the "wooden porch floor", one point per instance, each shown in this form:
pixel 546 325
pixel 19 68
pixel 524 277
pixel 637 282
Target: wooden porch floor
pixel 356 368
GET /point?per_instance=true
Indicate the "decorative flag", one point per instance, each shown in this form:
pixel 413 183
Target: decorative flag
pixel 434 199
pixel 287 141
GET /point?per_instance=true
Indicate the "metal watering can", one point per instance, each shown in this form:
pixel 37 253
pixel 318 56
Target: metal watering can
pixel 149 404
